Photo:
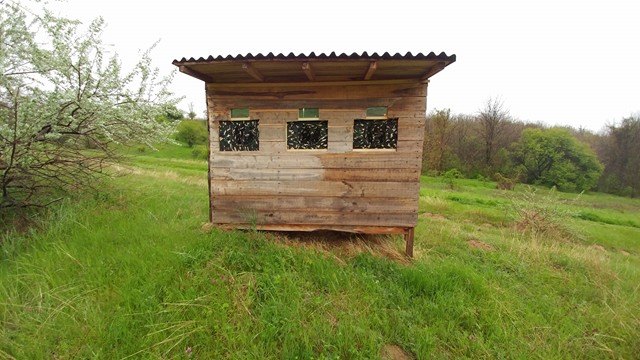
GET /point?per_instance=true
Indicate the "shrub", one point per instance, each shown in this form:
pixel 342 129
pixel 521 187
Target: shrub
pixel 170 114
pixel 63 90
pixel 192 132
pixel 200 152
pixel 505 183
pixel 542 215
pixel 450 175
pixel 553 157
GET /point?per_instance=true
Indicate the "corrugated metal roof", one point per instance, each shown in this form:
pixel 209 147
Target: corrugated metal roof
pixel 322 56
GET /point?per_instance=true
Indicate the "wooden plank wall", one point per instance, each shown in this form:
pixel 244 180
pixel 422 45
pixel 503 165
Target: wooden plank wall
pixel 337 188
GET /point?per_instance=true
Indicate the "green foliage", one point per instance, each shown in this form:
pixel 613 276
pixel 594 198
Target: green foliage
pixel 553 157
pixel 450 176
pixel 505 183
pixel 613 220
pixel 191 114
pixel 438 132
pixel 620 153
pixel 61 93
pixel 467 200
pixel 170 114
pixel 480 145
pixel 200 152
pixel 192 132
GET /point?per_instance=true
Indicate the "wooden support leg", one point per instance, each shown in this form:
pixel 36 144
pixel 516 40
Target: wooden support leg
pixel 408 238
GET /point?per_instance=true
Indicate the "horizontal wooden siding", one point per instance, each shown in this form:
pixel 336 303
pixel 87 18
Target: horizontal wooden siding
pixel 336 188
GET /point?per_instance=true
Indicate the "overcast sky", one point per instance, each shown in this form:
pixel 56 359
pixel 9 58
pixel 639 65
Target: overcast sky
pixel 559 62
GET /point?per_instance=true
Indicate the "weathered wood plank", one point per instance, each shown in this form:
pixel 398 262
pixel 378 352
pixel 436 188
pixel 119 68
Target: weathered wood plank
pixel 319 203
pixel 393 175
pixel 412 103
pixel 436 68
pixel 316 203
pixel 324 82
pixel 335 218
pixel 252 71
pixel 196 74
pixel 330 113
pixel 307 69
pixel 308 227
pixel 400 175
pixel 316 188
pixel 360 160
pixel 334 116
pixel 370 70
pixel 311 91
pixel 408 237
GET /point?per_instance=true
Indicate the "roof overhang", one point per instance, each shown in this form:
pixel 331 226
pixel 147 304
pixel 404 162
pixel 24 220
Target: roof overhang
pixel 303 68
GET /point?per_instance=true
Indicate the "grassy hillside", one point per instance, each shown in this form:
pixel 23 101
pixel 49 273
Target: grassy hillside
pixel 131 273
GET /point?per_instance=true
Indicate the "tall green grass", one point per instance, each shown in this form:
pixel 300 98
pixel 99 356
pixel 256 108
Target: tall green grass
pixel 131 273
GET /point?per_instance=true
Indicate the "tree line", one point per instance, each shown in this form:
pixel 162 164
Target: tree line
pixel 492 144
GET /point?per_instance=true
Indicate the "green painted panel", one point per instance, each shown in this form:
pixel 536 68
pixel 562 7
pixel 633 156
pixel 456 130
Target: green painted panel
pixel 308 113
pixel 377 111
pixel 239 113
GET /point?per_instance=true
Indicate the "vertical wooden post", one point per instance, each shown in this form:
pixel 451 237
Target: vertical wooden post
pixel 210 157
pixel 408 238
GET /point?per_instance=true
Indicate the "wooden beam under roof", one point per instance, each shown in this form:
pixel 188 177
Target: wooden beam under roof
pixel 436 68
pixel 372 69
pixel 195 74
pixel 249 69
pixel 308 70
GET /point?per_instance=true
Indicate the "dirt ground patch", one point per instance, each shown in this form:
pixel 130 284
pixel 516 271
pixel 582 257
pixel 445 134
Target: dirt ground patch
pixel 394 352
pixel 341 244
pixel 477 244
pixel 433 216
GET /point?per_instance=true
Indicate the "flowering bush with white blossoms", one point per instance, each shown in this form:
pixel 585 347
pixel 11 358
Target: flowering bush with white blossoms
pixel 64 103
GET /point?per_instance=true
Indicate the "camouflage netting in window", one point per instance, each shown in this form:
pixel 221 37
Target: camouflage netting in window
pixel 375 134
pixel 307 134
pixel 239 135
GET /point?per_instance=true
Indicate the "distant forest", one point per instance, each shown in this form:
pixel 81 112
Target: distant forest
pixel 492 144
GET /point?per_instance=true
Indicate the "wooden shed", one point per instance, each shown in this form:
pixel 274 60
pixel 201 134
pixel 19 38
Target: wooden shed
pixel 316 142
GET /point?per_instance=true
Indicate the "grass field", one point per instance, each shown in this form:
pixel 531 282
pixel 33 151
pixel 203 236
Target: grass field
pixel 131 273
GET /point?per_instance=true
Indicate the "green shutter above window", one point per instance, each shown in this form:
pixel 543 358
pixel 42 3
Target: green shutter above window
pixel 240 113
pixel 308 113
pixel 377 111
